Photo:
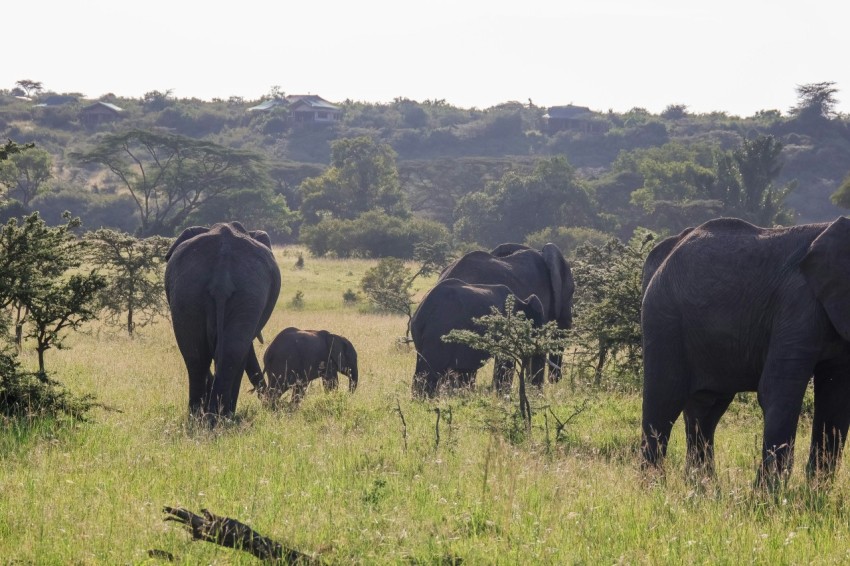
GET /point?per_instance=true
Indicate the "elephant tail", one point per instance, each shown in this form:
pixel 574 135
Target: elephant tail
pixel 220 288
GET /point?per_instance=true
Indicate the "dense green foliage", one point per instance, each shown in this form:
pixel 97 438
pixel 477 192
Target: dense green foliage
pixel 25 174
pixel 487 175
pixel 134 270
pixel 171 177
pixel 43 293
pixel 606 332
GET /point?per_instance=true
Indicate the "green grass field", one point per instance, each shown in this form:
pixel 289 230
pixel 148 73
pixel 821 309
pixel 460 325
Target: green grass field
pixel 339 477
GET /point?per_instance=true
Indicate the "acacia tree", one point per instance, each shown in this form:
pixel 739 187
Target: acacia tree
pixel 30 86
pixel 25 174
pixel 63 304
pixel 134 269
pixel 10 148
pixel 815 100
pixel 171 176
pixel 512 335
pixel 40 279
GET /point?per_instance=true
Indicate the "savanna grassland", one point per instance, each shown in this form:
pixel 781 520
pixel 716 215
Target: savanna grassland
pixel 341 476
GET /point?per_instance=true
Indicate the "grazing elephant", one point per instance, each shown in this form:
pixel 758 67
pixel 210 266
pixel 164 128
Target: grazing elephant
pixel 525 272
pixel 450 305
pixel 222 284
pixel 731 307
pixel 296 357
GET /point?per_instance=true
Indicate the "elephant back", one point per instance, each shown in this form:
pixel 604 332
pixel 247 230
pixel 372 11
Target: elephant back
pixel 525 272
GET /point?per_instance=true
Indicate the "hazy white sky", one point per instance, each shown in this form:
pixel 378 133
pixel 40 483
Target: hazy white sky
pixel 738 56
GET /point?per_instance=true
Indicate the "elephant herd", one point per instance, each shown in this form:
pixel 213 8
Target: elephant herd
pixel 727 307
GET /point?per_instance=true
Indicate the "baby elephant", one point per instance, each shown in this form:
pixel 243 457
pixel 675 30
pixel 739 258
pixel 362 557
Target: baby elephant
pixel 296 357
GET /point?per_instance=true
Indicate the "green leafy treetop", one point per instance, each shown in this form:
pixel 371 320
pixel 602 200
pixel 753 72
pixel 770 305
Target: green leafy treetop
pixel 170 177
pixel 134 269
pixel 362 177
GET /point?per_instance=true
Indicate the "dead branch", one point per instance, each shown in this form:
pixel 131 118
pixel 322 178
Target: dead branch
pixel 234 534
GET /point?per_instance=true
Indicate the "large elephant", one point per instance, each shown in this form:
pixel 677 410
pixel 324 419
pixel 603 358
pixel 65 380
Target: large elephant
pixel 731 307
pixel 295 357
pixel 451 305
pixel 525 272
pixel 222 284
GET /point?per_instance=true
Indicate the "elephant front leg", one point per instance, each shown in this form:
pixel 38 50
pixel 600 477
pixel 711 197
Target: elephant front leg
pixel 780 395
pixel 503 376
pixel 330 380
pixel 831 419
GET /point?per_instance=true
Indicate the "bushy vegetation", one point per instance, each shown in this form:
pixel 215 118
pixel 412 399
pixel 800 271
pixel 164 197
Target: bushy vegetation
pixel 44 292
pixel 486 175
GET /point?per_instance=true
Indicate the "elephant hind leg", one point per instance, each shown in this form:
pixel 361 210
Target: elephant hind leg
pixel 702 413
pixel 200 385
pixel 831 420
pixel 555 363
pixel 665 388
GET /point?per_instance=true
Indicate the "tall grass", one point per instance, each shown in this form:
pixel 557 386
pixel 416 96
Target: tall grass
pixel 341 476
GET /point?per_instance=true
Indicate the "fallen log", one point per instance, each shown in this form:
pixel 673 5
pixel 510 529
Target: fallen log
pixel 231 533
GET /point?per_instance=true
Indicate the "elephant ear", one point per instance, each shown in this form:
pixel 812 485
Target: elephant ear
pixel 826 268
pixel 186 234
pixel 563 286
pixel 262 237
pixel 657 256
pixel 533 309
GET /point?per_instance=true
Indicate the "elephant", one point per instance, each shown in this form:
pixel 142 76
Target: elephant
pixel 296 357
pixel 452 304
pixel 545 274
pixel 730 307
pixel 222 284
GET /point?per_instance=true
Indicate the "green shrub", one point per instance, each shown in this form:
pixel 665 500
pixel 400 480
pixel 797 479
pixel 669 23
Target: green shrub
pixel 373 234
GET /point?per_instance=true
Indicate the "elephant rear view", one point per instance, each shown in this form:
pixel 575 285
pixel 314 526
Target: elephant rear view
pixel 295 357
pixel 222 284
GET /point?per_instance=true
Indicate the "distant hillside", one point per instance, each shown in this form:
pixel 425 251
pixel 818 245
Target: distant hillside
pixel 456 150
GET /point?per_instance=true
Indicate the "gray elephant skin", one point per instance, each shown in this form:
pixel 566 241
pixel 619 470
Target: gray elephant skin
pixel 451 305
pixel 730 307
pixel 296 357
pixel 221 284
pixel 525 271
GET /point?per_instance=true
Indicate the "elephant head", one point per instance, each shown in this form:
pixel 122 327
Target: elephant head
pixel 342 357
pixel 563 286
pixel 826 267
